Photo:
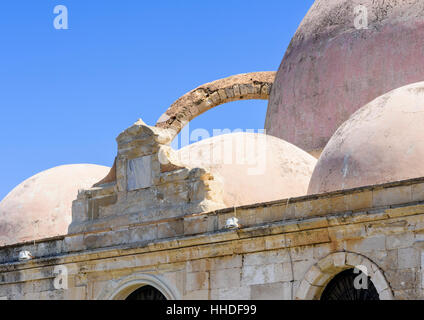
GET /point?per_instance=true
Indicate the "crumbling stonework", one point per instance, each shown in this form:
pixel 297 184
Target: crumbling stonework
pixel 247 86
pixel 149 186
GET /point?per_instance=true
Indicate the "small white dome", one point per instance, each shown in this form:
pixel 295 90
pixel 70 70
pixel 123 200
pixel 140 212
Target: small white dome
pixel 41 206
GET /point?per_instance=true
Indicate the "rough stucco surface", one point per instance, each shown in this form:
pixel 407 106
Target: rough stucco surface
pixel 251 166
pixel 331 69
pixel 40 207
pixel 382 142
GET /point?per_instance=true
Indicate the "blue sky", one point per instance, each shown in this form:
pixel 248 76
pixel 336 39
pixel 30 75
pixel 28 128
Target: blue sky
pixel 66 94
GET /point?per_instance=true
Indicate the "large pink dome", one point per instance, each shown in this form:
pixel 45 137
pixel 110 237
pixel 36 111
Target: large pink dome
pixel 331 69
pixel 382 142
pixel 253 168
pixel 41 206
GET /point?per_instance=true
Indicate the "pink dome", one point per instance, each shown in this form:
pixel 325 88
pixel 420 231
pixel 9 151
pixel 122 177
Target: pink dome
pixel 331 69
pixel 252 167
pixel 41 206
pixel 382 142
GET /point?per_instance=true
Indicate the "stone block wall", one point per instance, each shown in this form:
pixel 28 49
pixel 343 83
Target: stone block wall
pixel 271 256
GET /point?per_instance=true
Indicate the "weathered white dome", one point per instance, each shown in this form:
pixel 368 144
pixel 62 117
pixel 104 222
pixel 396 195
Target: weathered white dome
pixel 254 168
pixel 41 206
pixel 382 142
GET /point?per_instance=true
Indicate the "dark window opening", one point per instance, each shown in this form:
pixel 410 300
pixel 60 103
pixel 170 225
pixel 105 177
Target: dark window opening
pixel 146 293
pixel 342 287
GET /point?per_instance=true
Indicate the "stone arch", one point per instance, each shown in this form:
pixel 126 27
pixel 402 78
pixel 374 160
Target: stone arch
pixel 247 86
pixel 320 274
pixel 120 289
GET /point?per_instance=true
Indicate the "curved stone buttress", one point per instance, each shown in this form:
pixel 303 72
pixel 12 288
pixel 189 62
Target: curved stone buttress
pixel 246 86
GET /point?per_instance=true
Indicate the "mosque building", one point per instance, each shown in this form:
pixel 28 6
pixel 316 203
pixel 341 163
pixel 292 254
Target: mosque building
pixel 333 191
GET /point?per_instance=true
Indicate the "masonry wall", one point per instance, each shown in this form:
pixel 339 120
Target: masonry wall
pixel 267 258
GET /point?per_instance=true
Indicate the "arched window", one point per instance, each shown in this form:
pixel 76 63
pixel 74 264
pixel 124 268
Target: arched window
pixel 148 293
pixel 139 286
pixel 342 287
